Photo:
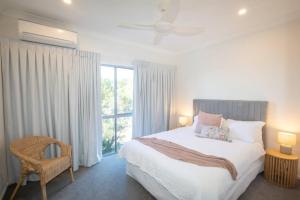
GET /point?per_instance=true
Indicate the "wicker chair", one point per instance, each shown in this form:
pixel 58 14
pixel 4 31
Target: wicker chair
pixel 31 153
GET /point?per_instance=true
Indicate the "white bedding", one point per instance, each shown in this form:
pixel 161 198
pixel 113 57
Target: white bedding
pixel 188 181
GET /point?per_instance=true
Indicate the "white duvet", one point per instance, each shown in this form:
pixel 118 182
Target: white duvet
pixel 188 181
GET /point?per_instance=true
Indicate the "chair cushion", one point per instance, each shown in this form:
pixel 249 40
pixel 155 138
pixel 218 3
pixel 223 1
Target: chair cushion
pixel 54 167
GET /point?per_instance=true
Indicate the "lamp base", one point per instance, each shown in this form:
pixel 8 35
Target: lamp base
pixel 285 150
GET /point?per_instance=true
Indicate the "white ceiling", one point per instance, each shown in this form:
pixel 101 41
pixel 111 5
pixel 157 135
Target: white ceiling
pixel 218 17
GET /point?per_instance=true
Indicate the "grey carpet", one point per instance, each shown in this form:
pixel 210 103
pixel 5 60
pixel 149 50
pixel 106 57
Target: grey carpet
pixel 108 180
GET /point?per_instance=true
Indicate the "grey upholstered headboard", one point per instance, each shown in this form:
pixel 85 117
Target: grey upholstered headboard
pixel 233 109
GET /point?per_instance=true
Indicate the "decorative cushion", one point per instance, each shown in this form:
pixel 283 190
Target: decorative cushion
pixel 214 132
pixel 207 119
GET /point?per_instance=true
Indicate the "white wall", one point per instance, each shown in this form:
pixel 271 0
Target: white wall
pixel 261 66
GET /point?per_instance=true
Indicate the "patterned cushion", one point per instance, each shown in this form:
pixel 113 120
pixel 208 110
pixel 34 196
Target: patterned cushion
pixel 214 132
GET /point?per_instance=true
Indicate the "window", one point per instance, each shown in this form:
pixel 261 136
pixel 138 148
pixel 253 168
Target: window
pixel 117 106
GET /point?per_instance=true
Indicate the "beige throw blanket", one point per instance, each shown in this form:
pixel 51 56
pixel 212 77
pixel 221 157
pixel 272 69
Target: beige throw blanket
pixel 182 153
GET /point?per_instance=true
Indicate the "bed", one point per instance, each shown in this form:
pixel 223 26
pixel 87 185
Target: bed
pixel 169 179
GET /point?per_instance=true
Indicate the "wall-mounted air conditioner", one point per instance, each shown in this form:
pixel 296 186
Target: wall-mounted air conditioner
pixel 33 32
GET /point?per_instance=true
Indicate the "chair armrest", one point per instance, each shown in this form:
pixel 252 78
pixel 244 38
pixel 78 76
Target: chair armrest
pixel 66 149
pixel 27 159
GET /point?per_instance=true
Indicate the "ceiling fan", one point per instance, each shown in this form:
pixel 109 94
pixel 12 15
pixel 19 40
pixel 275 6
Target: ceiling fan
pixel 169 10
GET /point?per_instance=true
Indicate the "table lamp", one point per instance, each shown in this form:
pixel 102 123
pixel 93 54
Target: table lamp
pixel 182 120
pixel 286 141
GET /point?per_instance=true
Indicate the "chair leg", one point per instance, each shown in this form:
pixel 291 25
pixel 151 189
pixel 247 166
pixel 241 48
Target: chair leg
pixel 44 192
pixel 71 174
pixel 21 180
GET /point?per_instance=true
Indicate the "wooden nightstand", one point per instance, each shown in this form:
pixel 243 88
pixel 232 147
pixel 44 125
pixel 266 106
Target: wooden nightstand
pixel 281 169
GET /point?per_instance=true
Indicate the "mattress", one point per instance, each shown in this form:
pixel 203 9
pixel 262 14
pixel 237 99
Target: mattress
pixel 187 181
pixel 161 193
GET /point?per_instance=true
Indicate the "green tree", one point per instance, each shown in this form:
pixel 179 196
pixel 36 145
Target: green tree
pixel 107 95
pixel 125 96
pixel 125 104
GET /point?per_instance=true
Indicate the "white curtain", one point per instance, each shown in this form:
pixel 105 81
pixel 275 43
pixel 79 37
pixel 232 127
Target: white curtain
pixel 85 110
pixel 3 166
pixel 154 109
pixel 50 91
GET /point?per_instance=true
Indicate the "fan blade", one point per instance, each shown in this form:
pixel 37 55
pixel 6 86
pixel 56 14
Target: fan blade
pixel 149 27
pixel 170 9
pixel 187 31
pixel 157 38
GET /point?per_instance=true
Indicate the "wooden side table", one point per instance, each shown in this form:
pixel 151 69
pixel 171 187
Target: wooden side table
pixel 281 169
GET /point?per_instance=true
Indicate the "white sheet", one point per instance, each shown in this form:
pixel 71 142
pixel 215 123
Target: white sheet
pixel 189 181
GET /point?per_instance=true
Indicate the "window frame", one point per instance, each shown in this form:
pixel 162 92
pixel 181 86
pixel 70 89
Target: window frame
pixel 116 115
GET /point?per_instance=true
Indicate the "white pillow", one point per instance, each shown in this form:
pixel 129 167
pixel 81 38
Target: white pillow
pixel 247 131
pixel 195 122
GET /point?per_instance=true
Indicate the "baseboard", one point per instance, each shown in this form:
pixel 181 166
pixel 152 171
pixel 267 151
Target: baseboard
pixel 3 192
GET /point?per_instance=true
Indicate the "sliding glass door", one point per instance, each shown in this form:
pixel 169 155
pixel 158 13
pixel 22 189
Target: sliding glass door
pixel 117 106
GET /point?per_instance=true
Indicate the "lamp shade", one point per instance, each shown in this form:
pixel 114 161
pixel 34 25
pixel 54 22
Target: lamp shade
pixel 286 139
pixel 183 120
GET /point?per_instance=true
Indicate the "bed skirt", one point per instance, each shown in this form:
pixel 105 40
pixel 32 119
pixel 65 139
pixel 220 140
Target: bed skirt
pixel 161 193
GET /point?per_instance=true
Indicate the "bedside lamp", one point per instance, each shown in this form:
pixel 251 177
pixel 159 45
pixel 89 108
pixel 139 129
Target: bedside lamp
pixel 286 141
pixel 182 121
